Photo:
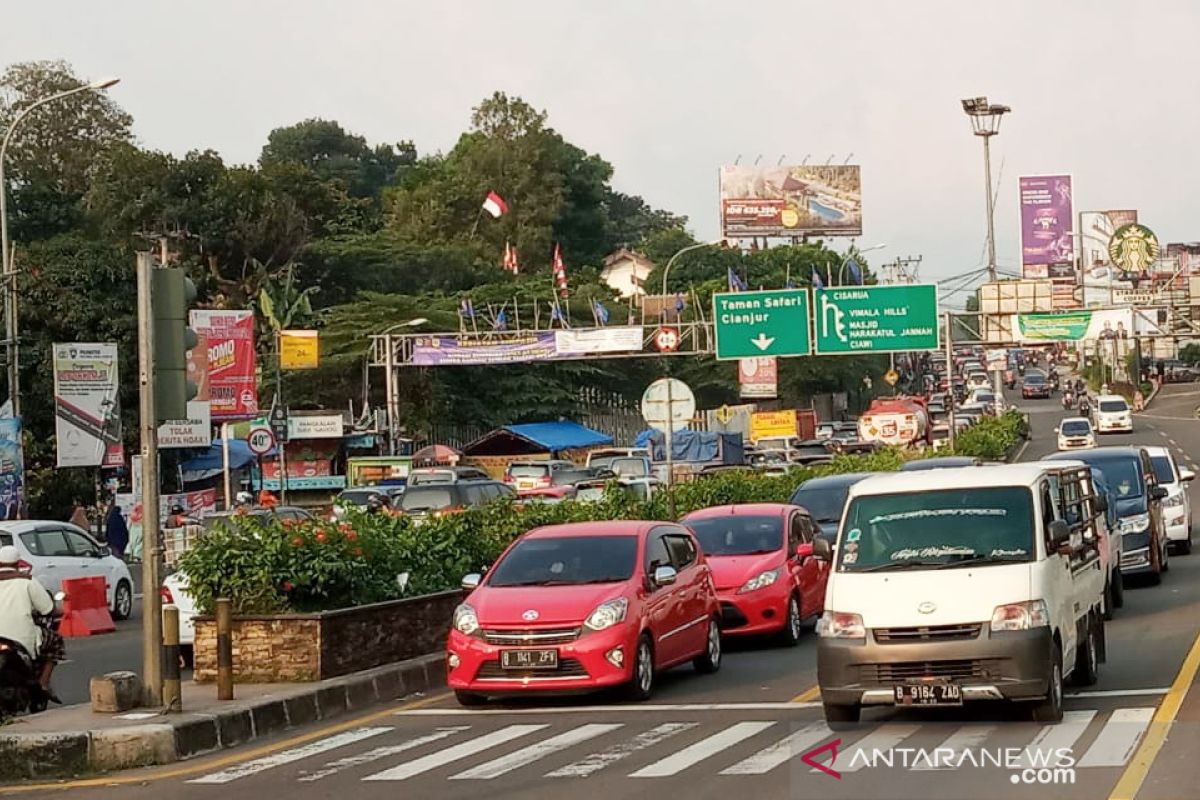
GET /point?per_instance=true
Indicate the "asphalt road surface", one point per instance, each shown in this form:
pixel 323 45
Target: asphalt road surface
pixel 744 732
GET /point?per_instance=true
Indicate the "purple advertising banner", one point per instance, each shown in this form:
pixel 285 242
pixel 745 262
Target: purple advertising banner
pixel 446 351
pixel 1046 220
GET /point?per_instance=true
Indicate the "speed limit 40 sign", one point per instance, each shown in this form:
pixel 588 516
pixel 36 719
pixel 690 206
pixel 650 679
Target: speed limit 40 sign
pixel 261 441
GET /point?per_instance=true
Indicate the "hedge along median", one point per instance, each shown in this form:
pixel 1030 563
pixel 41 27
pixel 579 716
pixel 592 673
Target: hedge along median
pixel 282 577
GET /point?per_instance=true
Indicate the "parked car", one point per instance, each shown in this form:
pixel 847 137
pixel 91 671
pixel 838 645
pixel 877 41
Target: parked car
pixel 525 476
pixel 761 560
pixel 585 606
pixel 360 497
pixel 824 430
pixel 563 485
pixel 601 458
pixel 422 502
pixel 1111 414
pixel 1074 433
pixel 825 499
pixel 57 551
pixel 1130 476
pixel 262 514
pixel 425 476
pixel 592 491
pixel 1177 506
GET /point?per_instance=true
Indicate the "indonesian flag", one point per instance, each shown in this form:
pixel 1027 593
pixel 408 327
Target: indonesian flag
pixel 495 205
pixel 510 259
pixel 560 272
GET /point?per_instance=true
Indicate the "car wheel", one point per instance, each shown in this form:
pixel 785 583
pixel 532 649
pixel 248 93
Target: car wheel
pixel 1106 603
pixel 1118 589
pixel 1050 709
pixel 1165 558
pixel 709 661
pixel 1185 547
pixel 641 686
pixel 122 600
pixel 842 717
pixel 1087 658
pixel 792 627
pixel 469 699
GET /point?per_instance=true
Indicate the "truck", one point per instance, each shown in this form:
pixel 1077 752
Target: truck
pixel 900 420
pixel 957 585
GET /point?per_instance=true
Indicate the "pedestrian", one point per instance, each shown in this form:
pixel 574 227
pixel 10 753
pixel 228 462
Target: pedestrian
pixel 116 532
pixel 267 499
pixel 1139 402
pixel 79 517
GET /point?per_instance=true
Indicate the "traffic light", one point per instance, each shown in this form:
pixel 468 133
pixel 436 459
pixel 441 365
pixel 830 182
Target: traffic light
pixel 171 293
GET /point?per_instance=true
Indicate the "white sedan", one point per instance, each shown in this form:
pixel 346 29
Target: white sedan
pixel 59 551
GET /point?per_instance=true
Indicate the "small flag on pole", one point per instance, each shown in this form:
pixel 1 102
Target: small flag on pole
pixel 855 272
pixel 816 280
pixel 679 303
pixel 560 272
pixel 466 309
pixel 494 204
pixel 501 321
pixel 736 284
pixel 510 258
pixel 601 312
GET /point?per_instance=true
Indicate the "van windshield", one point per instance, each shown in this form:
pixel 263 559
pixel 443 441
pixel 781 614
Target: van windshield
pixel 1113 406
pixel 1076 427
pixel 939 529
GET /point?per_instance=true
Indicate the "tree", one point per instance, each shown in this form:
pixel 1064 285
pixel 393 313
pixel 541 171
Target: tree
pixel 52 155
pixel 335 155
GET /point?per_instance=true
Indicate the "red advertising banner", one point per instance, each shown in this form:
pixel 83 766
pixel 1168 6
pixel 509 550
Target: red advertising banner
pixel 305 459
pixel 232 388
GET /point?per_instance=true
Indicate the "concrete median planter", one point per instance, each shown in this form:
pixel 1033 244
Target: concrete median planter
pixel 295 648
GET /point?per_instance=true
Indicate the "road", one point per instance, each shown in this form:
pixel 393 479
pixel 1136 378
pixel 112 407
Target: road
pixel 742 732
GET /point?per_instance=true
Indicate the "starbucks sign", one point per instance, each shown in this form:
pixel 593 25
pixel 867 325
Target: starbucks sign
pixel 1133 248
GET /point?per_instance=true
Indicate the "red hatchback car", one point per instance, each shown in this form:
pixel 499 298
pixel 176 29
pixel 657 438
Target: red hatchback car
pixel 761 559
pixel 585 606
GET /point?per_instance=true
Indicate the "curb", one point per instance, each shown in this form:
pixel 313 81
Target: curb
pixel 177 737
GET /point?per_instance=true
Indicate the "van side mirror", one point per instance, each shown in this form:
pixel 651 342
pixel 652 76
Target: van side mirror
pixel 1186 475
pixel 821 548
pixel 471 581
pixel 1060 535
pixel 664 576
pixel 1159 493
pixel 1101 503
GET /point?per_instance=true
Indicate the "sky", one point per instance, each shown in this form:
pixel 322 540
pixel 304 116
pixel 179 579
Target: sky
pixel 668 91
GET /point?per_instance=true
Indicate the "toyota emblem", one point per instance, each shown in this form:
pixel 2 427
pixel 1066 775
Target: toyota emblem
pixel 531 615
pixel 927 607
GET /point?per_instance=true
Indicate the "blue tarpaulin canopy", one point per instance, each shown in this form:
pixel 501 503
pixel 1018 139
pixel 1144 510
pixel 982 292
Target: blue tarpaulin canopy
pixel 694 446
pixel 212 460
pixel 537 437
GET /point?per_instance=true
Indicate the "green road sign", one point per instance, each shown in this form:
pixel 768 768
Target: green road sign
pixel 769 323
pixel 876 319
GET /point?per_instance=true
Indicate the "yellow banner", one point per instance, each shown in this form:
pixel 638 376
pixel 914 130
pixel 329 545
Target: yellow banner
pixel 299 350
pixel 769 424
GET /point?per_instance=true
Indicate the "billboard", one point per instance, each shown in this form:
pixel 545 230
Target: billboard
pixel 87 411
pixel 791 201
pixel 1046 220
pixel 196 430
pixel 1074 326
pixel 758 378
pixel 232 387
pixel 515 348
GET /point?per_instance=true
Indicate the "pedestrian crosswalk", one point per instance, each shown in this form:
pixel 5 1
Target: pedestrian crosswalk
pixel 556 748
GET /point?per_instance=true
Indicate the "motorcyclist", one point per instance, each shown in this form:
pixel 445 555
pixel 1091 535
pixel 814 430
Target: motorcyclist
pixel 244 499
pixel 25 609
pixel 1085 407
pixel 375 504
pixel 1067 399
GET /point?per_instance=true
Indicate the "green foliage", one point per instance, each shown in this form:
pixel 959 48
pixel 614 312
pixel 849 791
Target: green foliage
pixel 992 437
pixel 1190 353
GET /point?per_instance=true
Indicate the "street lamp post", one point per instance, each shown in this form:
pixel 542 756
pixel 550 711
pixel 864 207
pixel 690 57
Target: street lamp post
pixel 671 263
pixel 846 260
pixel 10 283
pixel 985 123
pixel 391 384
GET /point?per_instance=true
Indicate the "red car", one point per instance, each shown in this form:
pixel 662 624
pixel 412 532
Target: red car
pixel 761 559
pixel 579 607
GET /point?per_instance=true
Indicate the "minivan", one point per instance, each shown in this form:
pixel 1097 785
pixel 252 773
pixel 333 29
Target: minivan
pixel 1111 414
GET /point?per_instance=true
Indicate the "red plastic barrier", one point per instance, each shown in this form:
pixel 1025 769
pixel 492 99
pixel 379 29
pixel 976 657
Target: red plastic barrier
pixel 85 610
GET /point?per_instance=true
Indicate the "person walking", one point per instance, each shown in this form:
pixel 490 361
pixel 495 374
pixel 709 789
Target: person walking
pixel 116 532
pixel 1139 402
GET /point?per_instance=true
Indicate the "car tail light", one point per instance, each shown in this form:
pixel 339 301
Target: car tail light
pixel 24 566
pixel 448 511
pixel 544 480
pixel 167 597
pixel 508 478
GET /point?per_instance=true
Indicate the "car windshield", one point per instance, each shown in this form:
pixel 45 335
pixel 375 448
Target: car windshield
pixel 567 560
pixel 357 497
pixel 629 467
pixel 937 529
pixel 824 503
pixel 566 477
pixel 425 498
pixel 213 521
pixel 1033 379
pixel 589 494
pixel 738 534
pixel 528 470
pixel 428 478
pixel 1121 473
pixel 1113 406
pixel 1076 427
pixel 1163 469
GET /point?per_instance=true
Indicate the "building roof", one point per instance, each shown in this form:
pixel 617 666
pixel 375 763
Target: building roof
pixel 536 437
pixel 623 254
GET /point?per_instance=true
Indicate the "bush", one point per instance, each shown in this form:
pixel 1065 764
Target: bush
pixel 310 566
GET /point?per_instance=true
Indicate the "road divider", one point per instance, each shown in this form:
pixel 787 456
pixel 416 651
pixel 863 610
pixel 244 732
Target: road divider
pixel 85 609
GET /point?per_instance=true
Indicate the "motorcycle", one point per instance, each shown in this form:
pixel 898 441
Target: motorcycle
pixel 1067 400
pixel 20 689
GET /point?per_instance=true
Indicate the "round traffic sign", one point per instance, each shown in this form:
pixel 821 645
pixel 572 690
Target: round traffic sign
pixel 667 339
pixel 668 402
pixel 261 441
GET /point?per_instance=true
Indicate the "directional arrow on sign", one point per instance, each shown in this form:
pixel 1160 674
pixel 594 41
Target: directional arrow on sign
pixel 763 341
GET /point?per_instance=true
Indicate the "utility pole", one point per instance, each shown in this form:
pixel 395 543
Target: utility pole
pixel 985 123
pixel 151 550
pixel 950 376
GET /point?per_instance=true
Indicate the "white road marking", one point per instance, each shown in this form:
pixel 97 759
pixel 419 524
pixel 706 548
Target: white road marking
pixel 288 756
pixel 882 739
pixel 1119 693
pixel 964 738
pixel 784 750
pixel 1052 738
pixel 638 709
pixel 334 767
pixel 456 753
pixel 705 748
pixel 507 763
pixel 598 761
pixel 1118 739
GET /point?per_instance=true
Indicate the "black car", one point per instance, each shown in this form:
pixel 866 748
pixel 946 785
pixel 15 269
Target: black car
pixel 1131 479
pixel 825 499
pixel 435 499
pixel 1035 385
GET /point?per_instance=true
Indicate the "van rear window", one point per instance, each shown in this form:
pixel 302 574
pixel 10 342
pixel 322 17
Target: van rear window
pixel 1113 406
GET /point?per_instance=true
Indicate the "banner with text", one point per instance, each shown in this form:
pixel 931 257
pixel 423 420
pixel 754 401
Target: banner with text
pixel 299 350
pixel 233 390
pixel 514 348
pixel 758 378
pixel 1073 326
pixel 12 468
pixel 87 411
pixel 1046 221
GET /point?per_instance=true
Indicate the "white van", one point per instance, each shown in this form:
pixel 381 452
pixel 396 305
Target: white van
pixel 1111 414
pixel 983 583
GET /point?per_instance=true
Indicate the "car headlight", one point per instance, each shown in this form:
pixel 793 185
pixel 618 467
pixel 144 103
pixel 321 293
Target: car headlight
pixel 607 614
pixel 1020 616
pixel 1135 524
pixel 465 621
pixel 1171 502
pixel 759 581
pixel 839 625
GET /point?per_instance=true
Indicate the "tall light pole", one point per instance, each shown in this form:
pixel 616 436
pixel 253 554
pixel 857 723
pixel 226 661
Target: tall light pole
pixel 9 277
pixel 846 260
pixel 671 263
pixel 391 385
pixel 985 123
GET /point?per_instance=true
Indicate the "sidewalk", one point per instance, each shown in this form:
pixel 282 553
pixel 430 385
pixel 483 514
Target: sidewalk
pixel 72 740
